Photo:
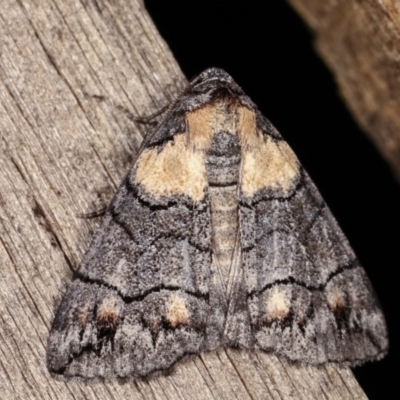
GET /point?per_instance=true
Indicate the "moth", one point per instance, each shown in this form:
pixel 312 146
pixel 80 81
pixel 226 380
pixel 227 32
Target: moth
pixel 216 237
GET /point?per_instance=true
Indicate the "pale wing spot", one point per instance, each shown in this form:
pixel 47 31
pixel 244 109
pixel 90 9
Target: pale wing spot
pixel 199 125
pixel 177 312
pixel 247 128
pixel 108 313
pixel 175 170
pixel 278 304
pixel 270 165
pixel 335 298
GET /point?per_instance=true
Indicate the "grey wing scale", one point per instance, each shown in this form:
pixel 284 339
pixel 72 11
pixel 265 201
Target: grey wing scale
pixel 307 295
pixel 217 236
pixel 143 297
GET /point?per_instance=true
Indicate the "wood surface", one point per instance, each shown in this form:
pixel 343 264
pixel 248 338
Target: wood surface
pixel 360 42
pixel 68 70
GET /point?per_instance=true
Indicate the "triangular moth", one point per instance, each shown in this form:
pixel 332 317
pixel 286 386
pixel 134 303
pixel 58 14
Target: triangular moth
pixel 216 237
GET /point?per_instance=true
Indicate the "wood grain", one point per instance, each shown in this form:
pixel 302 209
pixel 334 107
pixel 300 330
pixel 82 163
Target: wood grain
pixel 67 71
pixel 360 42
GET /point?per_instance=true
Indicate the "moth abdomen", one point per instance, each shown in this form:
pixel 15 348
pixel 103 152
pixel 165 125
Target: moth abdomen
pixel 222 166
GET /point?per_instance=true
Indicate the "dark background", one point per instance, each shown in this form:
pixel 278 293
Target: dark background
pixel 268 50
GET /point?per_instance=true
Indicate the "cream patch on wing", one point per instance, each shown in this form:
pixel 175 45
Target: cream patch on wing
pixel 177 312
pixel 335 298
pixel 178 169
pixel 247 128
pixel 108 314
pixel 268 165
pixel 199 126
pixel 277 305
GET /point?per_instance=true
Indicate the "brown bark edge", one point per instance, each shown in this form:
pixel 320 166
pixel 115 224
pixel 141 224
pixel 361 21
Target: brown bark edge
pixel 66 70
pixel 360 42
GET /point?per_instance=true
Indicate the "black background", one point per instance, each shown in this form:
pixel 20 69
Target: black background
pixel 268 50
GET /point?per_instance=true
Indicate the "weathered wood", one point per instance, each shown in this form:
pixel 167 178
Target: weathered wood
pixel 360 42
pixel 66 69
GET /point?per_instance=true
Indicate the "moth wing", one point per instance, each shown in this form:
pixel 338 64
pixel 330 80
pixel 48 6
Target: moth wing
pixel 142 298
pixel 308 298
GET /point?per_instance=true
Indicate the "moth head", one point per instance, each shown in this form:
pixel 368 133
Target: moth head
pixel 211 85
pixel 215 77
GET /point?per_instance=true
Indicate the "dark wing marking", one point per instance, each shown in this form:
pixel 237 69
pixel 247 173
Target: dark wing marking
pixel 144 295
pixel 148 291
pixel 308 298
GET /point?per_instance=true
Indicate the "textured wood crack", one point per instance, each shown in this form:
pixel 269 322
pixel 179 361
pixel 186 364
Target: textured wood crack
pixel 72 150
pixel 359 41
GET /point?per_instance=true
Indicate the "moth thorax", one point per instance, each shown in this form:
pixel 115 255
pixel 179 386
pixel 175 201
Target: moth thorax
pixel 222 169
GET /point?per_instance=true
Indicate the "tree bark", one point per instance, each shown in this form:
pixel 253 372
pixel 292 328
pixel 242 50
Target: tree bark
pixel 67 71
pixel 360 42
